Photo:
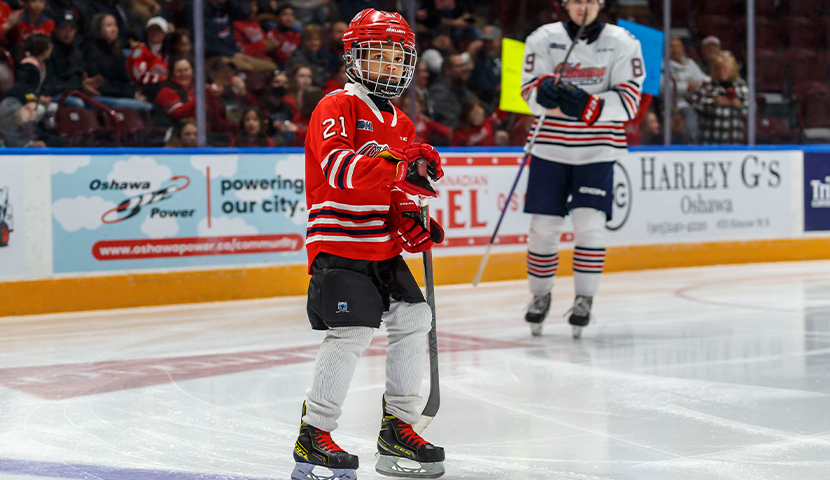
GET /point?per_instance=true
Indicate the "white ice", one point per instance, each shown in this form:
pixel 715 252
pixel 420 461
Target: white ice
pixel 699 373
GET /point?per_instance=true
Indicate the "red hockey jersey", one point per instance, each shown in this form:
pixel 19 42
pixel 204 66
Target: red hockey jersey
pixel 145 67
pixel 348 189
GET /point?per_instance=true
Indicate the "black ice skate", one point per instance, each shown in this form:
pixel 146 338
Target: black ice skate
pixel 580 314
pixel 536 313
pixel 398 442
pixel 315 448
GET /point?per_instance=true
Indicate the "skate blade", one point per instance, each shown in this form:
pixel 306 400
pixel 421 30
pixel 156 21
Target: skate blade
pixel 536 329
pixel 577 332
pixel 303 471
pixel 398 467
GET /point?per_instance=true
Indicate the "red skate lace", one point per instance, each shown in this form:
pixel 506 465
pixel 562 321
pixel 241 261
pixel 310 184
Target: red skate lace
pixel 325 441
pixel 409 435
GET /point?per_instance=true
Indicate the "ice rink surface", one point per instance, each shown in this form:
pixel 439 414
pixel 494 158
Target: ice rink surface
pixel 699 373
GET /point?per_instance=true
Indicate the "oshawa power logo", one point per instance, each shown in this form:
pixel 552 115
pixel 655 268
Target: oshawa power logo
pixel 621 207
pixel 131 206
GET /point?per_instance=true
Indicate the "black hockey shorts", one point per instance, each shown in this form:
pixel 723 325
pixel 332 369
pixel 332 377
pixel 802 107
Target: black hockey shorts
pixel 555 188
pixel 355 293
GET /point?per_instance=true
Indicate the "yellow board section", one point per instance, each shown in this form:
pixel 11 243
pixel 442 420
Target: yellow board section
pixel 512 59
pixel 146 289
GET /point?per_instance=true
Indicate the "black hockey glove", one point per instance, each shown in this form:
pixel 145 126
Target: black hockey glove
pixel 547 95
pixel 576 102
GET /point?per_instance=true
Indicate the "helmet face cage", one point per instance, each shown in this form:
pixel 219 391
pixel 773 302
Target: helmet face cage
pixel 359 64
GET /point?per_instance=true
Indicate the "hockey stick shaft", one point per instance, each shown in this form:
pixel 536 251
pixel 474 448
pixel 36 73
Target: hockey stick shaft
pixel 528 149
pixel 434 399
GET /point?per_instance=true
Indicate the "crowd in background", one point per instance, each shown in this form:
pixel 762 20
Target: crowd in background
pixel 121 72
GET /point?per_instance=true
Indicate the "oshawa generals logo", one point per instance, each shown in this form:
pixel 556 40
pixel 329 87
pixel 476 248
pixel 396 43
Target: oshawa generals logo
pixel 577 74
pixel 372 149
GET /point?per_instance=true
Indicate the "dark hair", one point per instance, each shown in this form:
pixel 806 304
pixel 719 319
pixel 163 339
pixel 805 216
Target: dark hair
pixel 466 108
pixel 172 39
pixel 292 86
pixel 176 133
pixel 259 115
pixel 36 44
pixel 96 23
pixel 174 60
pixel 309 98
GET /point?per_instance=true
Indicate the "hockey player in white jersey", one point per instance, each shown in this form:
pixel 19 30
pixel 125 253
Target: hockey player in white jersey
pixel 582 106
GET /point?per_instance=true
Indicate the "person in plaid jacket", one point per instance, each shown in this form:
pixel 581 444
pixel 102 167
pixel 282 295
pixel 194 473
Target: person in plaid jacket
pixel 722 104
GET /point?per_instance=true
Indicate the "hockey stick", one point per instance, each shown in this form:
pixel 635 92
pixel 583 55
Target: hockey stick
pixel 434 399
pixel 528 148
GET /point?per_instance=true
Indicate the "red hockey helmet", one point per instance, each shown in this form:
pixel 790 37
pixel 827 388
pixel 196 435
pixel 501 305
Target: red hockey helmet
pixel 380 52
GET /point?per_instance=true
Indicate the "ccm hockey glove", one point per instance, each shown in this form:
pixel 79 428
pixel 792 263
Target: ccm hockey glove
pixel 404 221
pixel 576 102
pixel 416 165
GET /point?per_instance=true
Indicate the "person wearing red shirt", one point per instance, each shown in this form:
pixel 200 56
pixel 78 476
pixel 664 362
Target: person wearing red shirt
pixel 176 100
pixel 32 21
pixel 249 36
pixel 360 163
pixel 147 63
pixel 287 39
pixel 474 128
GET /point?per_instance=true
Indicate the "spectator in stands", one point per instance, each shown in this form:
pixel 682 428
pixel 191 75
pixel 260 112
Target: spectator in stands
pixel 32 69
pixel 251 39
pixel 143 10
pixel 709 49
pixel 319 12
pixel 127 29
pixel 679 132
pixel 308 99
pixel 334 46
pixel 287 38
pixel 687 77
pixel 184 134
pixel 228 87
pixel 279 113
pixel 66 67
pixel 252 130
pixel 427 130
pixel 450 91
pixel 338 80
pixel 440 46
pixel 177 100
pixel 485 80
pixel 312 55
pixel 421 87
pixel 18 116
pixel 722 103
pixel 106 59
pixel 650 133
pixel 219 37
pixel 267 16
pixel 456 15
pixel 475 128
pixel 179 44
pixel 32 21
pixel 299 78
pixel 147 62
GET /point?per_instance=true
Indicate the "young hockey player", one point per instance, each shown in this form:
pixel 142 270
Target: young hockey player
pixel 582 108
pixel 360 164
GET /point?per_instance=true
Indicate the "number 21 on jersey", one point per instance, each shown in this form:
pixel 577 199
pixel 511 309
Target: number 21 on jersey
pixel 329 125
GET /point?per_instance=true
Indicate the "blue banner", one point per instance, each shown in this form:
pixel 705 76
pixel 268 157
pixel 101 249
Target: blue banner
pixel 651 41
pixel 816 192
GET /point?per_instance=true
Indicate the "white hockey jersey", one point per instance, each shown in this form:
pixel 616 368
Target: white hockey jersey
pixel 608 64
